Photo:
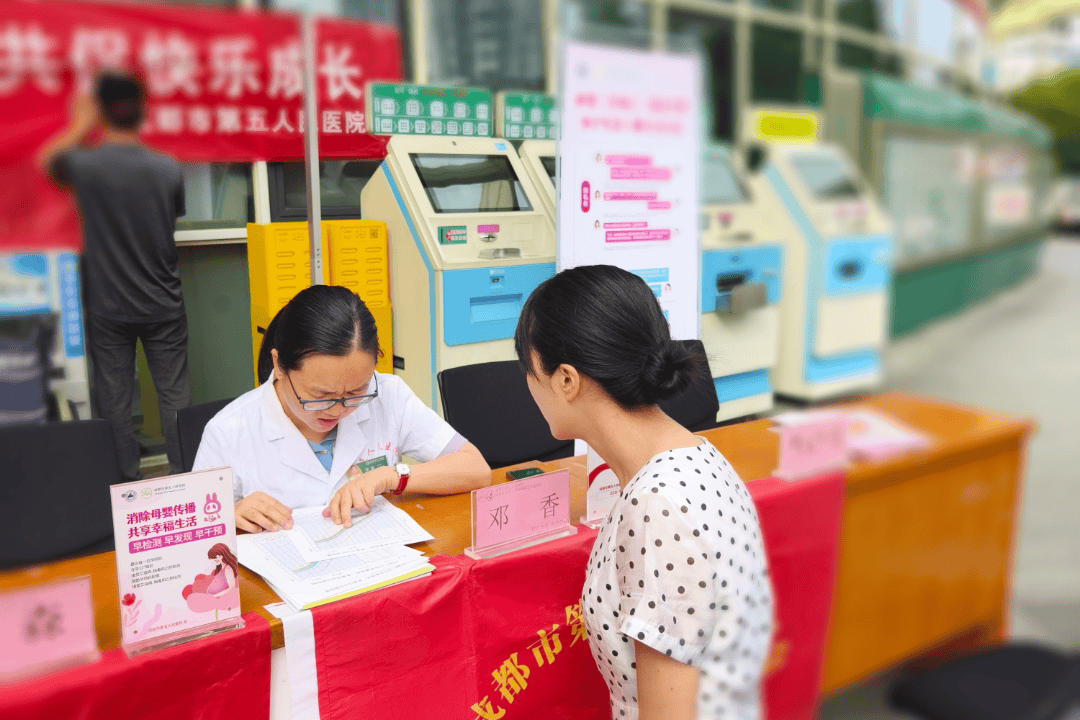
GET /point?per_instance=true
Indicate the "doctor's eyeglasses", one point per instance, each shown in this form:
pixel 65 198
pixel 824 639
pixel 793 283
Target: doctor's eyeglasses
pixel 349 402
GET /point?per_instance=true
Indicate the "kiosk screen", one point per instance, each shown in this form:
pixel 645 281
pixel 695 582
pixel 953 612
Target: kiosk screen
pixel 549 165
pixel 826 175
pixel 470 183
pixel 719 186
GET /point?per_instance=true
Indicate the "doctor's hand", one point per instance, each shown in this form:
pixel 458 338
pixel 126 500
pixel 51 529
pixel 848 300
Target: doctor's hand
pixel 360 493
pixel 258 512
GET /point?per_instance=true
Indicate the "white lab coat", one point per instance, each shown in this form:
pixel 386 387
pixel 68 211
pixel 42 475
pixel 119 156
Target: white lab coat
pixel 266 452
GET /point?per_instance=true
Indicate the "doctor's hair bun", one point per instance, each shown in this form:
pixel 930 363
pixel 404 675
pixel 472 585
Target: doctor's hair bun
pixel 319 320
pixel 607 324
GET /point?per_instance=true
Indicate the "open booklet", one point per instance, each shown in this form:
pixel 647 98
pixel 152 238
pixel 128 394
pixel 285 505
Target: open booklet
pixel 318 562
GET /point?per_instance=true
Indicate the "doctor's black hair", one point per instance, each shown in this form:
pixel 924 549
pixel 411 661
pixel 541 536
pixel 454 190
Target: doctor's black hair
pixel 606 323
pixel 319 320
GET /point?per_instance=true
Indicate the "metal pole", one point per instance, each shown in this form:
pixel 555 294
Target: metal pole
pixel 311 151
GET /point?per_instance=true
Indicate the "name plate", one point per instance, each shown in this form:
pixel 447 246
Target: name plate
pixel 176 565
pixel 811 445
pixel 519 514
pixel 46 628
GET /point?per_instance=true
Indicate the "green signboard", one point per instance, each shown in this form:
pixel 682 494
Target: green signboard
pixel 453 235
pixel 399 109
pixel 526 116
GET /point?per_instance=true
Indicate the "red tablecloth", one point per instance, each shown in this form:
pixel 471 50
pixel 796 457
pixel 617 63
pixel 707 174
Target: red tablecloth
pixel 502 638
pixel 222 676
pixel 801 526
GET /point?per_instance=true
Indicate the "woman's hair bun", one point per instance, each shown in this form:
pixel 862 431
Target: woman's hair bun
pixel 668 370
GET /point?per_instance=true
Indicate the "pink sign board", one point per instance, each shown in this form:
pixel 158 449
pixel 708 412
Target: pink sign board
pixel 640 173
pixel 630 196
pixel 176 563
pixel 46 627
pixel 616 236
pixel 660 205
pixel 603 492
pixel 820 443
pixel 624 225
pixel 628 160
pixel 487 228
pixel 516 511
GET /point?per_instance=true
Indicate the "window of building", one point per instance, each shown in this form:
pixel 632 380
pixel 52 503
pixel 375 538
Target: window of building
pixel 877 16
pixel 713 39
pixel 340 185
pixel 788 6
pixel 609 22
pixel 860 57
pixel 497 44
pixel 776 64
pixel 217 195
pixel 388 12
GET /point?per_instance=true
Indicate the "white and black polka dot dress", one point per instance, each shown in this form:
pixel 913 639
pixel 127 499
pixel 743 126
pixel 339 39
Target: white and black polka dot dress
pixel 679 565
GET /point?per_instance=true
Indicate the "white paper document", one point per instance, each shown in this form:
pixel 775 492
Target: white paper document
pixel 304 583
pixel 318 538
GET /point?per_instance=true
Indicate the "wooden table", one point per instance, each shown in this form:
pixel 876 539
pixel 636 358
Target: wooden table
pixel 928 541
pixel 925 554
pixel 445 517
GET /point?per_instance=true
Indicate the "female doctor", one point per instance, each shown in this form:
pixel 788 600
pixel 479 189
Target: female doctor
pixel 325 428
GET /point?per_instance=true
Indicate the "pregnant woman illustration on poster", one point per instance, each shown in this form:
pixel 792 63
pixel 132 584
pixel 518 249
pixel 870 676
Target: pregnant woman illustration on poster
pixel 217 589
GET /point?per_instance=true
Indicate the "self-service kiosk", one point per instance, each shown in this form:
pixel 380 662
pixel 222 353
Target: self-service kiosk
pixel 834 310
pixel 43 284
pixel 469 241
pixel 742 266
pixel 538 157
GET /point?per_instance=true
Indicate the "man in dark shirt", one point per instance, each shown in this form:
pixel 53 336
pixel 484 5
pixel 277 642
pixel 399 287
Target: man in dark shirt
pixel 129 198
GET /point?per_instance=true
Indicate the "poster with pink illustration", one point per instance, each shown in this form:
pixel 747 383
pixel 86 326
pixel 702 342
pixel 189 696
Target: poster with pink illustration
pixel 629 144
pixel 176 563
pixel 603 492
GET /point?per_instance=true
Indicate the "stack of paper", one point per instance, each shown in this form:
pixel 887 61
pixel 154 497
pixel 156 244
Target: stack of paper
pixel 317 561
pixel 874 437
pixel 871 435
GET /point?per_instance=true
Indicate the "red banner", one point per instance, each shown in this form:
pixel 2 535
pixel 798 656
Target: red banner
pixel 222 676
pixel 503 638
pixel 222 86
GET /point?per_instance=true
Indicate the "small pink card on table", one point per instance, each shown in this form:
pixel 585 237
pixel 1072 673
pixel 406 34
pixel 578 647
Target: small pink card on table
pixel 519 514
pixel 814 443
pixel 176 563
pixel 603 492
pixel 877 438
pixel 46 628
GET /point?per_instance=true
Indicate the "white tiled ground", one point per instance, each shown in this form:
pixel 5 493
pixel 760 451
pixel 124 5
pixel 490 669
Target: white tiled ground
pixel 1017 353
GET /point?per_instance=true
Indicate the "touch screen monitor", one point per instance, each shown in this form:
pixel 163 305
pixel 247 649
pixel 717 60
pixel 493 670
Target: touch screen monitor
pixel 826 175
pixel 470 183
pixel 837 248
pixel 741 276
pixel 538 158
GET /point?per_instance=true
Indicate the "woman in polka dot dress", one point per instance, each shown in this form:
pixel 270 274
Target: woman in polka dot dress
pixel 677 600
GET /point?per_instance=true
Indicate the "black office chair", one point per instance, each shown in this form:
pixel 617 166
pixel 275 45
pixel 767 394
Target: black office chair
pixel 54 495
pixel 490 405
pixel 190 423
pixel 1012 682
pixel 695 408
